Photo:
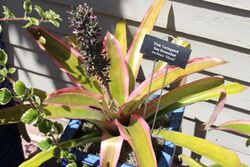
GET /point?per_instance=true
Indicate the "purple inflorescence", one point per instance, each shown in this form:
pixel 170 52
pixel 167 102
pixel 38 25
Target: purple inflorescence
pixel 90 45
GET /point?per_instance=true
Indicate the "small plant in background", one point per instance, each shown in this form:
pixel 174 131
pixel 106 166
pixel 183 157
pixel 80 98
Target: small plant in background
pixel 48 16
pixel 104 74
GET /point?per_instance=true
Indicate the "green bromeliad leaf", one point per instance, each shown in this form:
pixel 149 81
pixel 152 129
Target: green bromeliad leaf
pixel 184 91
pixel 121 36
pixel 110 151
pixel 74 97
pixel 43 156
pixel 13 114
pixel 214 93
pixel 134 56
pixel 174 73
pixel 137 134
pixel 84 112
pixel 236 126
pixel 119 75
pixel 203 147
pixel 190 162
pixel 66 58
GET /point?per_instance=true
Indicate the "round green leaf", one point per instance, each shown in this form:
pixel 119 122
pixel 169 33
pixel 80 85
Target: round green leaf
pixel 34 21
pixel 4 72
pixel 58 128
pixel 71 157
pixel 2 79
pixel 12 70
pixel 45 144
pixel 72 165
pixel 3 57
pixel 5 96
pixel 29 116
pixel 44 126
pixel 27 6
pixel 57 152
pixel 40 11
pixel 64 152
pixel 19 88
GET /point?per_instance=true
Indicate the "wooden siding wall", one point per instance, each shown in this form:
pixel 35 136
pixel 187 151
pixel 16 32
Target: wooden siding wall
pixel 218 28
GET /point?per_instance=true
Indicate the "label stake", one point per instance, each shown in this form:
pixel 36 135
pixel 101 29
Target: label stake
pixel 149 89
pixel 159 100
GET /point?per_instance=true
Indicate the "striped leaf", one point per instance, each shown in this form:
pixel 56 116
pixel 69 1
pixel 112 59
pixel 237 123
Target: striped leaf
pixel 184 91
pixel 134 56
pixel 118 69
pixel 74 97
pixel 214 152
pixel 231 88
pixel 110 151
pixel 190 162
pixel 138 136
pixel 174 73
pixel 43 156
pixel 236 126
pixel 121 36
pixel 65 57
pixel 85 112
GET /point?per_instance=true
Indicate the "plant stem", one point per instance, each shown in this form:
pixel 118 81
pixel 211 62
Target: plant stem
pixel 14 19
pixel 30 100
pixel 21 19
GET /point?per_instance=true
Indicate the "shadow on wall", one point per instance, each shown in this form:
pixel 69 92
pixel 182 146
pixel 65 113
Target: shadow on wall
pixel 34 66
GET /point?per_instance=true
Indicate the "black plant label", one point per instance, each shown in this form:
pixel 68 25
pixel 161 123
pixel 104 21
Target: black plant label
pixel 163 50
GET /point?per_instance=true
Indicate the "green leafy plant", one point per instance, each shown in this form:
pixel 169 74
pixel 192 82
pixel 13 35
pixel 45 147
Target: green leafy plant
pixel 48 16
pixel 104 74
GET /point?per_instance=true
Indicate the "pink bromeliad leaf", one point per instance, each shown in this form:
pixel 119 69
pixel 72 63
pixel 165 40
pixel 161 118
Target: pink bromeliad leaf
pixel 137 134
pixel 121 36
pixel 83 112
pixel 65 57
pixel 134 56
pixel 217 110
pixel 119 75
pixel 74 97
pixel 184 91
pixel 110 150
pixel 174 73
pixel 236 126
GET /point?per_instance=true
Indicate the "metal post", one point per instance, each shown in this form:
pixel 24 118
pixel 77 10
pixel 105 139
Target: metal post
pixel 149 89
pixel 159 100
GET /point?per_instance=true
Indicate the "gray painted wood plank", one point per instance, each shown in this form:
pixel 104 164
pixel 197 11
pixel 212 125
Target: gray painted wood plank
pixel 239 4
pixel 237 68
pixel 199 19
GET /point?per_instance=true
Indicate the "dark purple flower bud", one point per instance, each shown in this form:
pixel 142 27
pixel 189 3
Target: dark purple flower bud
pixel 87 32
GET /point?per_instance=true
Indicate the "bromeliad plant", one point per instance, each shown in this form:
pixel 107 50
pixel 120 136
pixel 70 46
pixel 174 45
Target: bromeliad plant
pixel 104 74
